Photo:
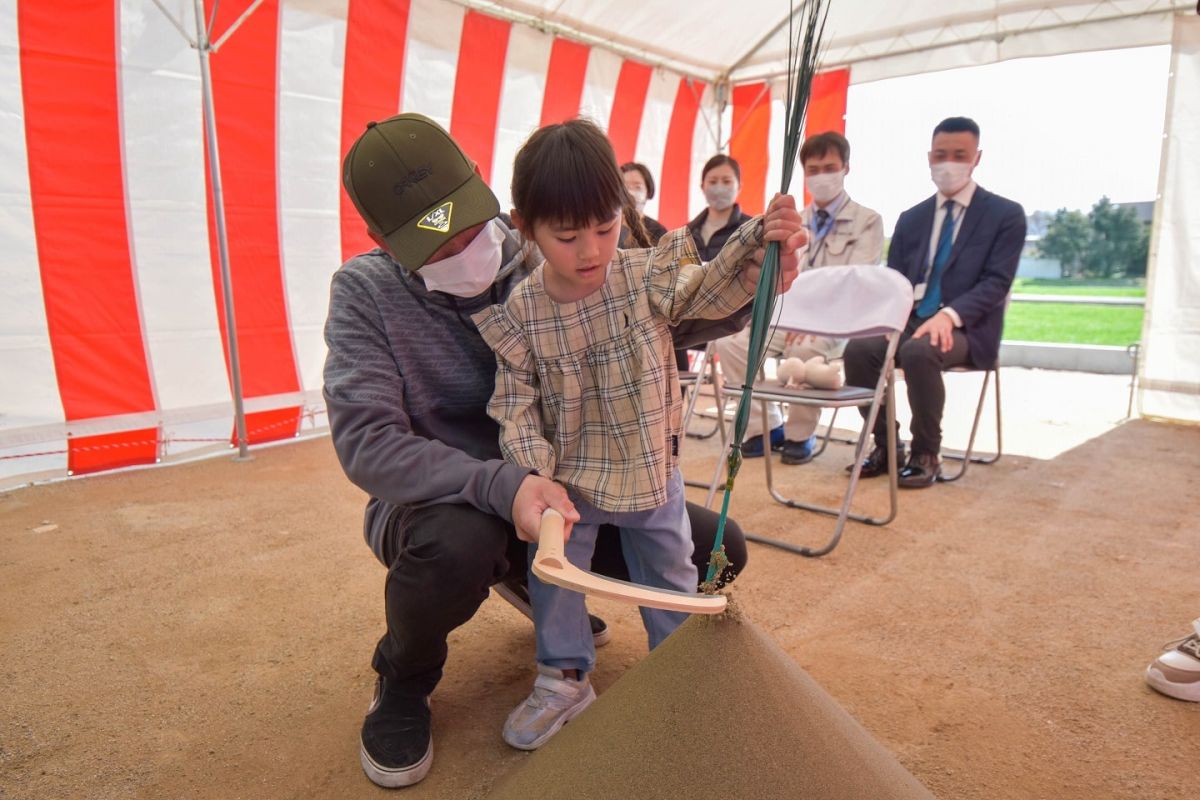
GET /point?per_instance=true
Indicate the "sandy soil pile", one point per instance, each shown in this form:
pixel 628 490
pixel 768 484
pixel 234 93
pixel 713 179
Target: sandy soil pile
pixel 717 705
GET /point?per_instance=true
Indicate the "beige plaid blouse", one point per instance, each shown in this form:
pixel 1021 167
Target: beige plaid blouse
pixel 588 392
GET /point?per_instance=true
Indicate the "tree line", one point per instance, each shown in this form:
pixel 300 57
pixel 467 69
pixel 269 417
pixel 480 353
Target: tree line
pixel 1107 242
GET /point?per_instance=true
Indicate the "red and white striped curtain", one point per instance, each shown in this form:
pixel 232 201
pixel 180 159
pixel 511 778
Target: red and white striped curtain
pixel 110 324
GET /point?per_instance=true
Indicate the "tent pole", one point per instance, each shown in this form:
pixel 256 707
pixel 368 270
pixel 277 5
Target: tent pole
pixel 214 167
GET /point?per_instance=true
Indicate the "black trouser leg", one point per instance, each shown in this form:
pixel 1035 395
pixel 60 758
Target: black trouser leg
pixel 923 365
pixel 609 561
pixel 442 560
pixel 864 361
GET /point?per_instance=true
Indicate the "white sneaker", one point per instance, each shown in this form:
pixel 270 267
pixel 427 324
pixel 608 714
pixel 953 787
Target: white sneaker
pixel 555 701
pixel 1176 673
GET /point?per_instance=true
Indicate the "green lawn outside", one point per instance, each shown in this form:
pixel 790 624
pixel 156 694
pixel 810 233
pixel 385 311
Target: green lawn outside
pixel 1117 287
pixel 1062 323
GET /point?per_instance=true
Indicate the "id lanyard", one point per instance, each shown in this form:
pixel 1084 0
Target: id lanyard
pixel 819 232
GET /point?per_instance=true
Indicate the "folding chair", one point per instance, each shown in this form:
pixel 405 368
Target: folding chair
pixel 843 302
pixel 692 381
pixel 967 458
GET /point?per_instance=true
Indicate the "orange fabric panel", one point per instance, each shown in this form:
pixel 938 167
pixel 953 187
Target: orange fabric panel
pixel 112 451
pixel 564 81
pixel 245 96
pixel 677 158
pixel 77 187
pixel 827 106
pixel 477 84
pixel 629 103
pixel 748 144
pixel 827 103
pixel 373 72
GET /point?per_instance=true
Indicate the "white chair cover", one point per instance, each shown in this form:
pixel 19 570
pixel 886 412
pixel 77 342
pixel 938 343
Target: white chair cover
pixel 847 301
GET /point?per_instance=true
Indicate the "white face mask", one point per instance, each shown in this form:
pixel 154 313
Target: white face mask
pixel 639 199
pixel 470 272
pixel 720 196
pixel 950 176
pixel 825 186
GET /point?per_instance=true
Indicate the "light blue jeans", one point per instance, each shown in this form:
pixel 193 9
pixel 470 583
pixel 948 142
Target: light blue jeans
pixel 657 545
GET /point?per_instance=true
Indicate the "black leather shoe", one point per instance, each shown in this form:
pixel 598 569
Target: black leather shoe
pixel 921 471
pixel 876 463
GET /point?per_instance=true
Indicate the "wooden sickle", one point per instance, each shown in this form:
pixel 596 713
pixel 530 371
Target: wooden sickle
pixel 551 565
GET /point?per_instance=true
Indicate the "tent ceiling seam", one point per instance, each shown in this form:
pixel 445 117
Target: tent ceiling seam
pixel 604 40
pixel 749 54
pixel 853 50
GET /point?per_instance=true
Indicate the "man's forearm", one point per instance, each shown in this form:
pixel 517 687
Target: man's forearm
pixel 385 459
pixel 699 332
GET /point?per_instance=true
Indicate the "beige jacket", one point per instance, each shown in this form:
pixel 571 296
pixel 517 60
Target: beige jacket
pixel 856 238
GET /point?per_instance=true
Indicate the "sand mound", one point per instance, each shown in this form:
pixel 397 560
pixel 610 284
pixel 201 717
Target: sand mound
pixel 718 710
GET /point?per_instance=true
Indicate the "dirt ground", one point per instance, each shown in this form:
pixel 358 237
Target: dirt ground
pixel 205 630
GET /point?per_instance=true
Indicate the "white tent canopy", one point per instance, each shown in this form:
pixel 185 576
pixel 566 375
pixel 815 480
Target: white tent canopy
pixel 749 40
pixel 111 329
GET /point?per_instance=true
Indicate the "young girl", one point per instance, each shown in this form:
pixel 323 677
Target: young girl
pixel 587 390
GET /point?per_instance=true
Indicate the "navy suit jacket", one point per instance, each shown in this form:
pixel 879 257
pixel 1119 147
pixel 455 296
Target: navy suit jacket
pixel 982 265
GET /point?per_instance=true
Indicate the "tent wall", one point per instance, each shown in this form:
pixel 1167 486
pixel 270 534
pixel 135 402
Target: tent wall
pixel 110 325
pixel 1170 367
pixel 111 337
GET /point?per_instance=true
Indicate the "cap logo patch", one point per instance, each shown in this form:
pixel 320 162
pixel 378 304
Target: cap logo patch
pixel 438 220
pixel 411 179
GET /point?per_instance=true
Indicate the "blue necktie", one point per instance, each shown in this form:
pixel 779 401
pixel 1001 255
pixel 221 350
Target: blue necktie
pixel 932 300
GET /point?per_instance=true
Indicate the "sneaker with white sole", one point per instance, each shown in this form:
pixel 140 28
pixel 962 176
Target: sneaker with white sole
pixel 1176 673
pixel 396 745
pixel 517 594
pixel 554 702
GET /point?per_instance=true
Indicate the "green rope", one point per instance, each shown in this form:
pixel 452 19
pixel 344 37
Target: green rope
pixel 803 52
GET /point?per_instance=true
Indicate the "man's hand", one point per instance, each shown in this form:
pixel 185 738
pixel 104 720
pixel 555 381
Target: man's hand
pixel 940 330
pixel 534 496
pixel 782 219
pixel 781 224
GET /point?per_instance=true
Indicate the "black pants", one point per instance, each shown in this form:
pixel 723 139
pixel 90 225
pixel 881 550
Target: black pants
pixel 923 365
pixel 442 560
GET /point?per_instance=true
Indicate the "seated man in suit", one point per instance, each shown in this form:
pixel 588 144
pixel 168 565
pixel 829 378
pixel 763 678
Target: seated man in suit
pixel 960 249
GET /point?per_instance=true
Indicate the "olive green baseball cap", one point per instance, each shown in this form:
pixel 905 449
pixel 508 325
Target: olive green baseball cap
pixel 414 186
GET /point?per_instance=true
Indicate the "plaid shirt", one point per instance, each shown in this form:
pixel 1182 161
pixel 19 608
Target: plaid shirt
pixel 588 392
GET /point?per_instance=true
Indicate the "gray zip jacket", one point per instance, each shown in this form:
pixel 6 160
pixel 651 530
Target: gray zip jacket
pixel 407 383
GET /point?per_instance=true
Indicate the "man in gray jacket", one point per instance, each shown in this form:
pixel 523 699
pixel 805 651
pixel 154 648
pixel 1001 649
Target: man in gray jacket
pixel 407 382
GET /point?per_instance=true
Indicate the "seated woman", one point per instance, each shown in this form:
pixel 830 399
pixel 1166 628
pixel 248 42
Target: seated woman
pixel 640 185
pixel 720 180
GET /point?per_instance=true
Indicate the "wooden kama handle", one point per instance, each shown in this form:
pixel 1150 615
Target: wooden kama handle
pixel 550 539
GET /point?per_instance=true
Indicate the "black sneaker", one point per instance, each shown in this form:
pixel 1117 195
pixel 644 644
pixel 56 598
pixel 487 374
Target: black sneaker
pixel 396 743
pixel 517 594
